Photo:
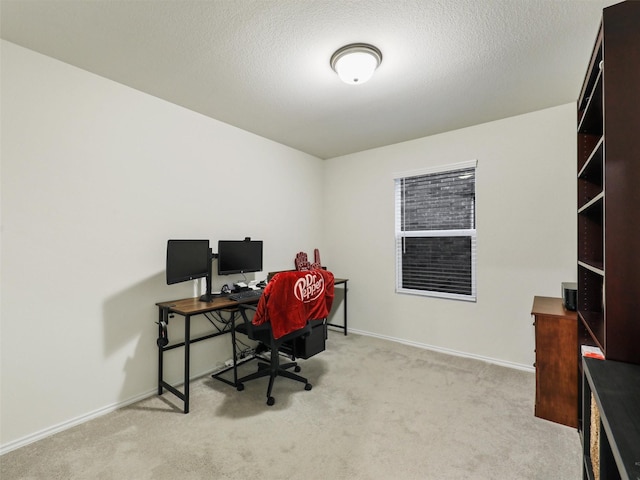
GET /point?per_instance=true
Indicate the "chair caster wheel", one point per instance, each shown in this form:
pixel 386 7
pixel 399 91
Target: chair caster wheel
pixel 308 386
pixel 240 387
pixel 271 401
pixel 297 368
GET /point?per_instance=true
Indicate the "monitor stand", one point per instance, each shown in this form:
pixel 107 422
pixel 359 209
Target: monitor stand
pixel 208 296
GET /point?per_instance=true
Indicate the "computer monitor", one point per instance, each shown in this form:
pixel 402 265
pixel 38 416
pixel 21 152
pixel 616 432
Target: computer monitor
pixel 239 256
pixel 189 260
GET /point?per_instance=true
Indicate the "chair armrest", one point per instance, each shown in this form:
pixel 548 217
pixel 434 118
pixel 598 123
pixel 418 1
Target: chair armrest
pixel 247 306
pixel 243 307
pixel 247 327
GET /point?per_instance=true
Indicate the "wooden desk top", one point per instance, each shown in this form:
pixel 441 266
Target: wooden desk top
pixel 551 306
pixel 193 306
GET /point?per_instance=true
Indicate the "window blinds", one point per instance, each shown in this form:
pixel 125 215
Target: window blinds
pixel 436 232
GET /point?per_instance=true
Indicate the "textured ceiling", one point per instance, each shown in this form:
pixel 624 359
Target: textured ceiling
pixel 263 65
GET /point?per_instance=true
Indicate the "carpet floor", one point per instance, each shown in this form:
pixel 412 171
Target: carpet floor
pixel 377 410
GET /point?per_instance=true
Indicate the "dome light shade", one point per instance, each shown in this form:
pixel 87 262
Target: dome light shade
pixel 355 63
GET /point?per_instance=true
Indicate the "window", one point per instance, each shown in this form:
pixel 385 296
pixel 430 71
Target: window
pixel 436 232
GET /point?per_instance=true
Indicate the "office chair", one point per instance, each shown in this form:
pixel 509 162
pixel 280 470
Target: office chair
pixel 290 305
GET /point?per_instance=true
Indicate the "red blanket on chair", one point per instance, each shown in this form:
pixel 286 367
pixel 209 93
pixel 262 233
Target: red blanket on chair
pixel 292 298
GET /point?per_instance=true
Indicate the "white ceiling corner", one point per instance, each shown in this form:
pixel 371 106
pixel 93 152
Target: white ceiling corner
pixel 263 65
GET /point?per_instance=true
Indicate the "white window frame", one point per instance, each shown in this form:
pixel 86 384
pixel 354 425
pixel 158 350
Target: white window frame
pixel 401 235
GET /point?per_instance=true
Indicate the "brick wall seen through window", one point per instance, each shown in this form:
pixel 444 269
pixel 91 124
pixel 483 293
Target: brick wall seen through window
pixel 435 232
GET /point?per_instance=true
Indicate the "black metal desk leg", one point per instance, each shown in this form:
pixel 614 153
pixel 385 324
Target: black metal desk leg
pixel 187 343
pixel 345 308
pixel 162 317
pixel 344 323
pixel 232 321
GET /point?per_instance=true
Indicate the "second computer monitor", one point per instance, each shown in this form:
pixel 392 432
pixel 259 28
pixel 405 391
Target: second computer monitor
pixel 239 256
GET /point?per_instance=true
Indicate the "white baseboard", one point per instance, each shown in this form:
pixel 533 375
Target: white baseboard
pixel 47 432
pixel 504 363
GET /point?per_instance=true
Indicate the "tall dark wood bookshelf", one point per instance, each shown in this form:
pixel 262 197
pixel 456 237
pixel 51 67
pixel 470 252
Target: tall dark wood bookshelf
pixel 608 297
pixel 609 189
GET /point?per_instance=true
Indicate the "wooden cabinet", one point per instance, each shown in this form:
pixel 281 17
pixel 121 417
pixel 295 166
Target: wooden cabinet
pixel 611 420
pixel 556 364
pixel 608 296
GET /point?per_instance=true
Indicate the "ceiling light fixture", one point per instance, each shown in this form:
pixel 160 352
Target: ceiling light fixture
pixel 355 63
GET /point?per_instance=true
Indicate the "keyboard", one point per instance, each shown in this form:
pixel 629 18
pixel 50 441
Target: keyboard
pixel 246 295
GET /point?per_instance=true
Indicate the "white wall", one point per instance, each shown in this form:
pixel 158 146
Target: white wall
pixel 96 177
pixel 526 225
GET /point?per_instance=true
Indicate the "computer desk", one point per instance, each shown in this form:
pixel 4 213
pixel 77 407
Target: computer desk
pixel 214 310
